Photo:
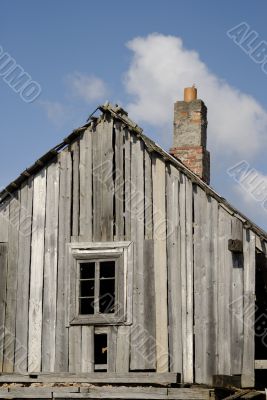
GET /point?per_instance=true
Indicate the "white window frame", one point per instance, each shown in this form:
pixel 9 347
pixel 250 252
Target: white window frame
pixel 123 253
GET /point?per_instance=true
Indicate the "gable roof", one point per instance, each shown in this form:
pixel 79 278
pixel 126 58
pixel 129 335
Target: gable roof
pixel 120 114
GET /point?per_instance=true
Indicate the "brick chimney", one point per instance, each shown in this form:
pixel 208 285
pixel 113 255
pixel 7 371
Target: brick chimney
pixel 190 134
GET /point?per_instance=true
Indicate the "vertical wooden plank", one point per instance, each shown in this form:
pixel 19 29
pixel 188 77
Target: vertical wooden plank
pixel 160 263
pixel 148 196
pixel 50 270
pixel 36 278
pixel 137 236
pixel 123 349
pixel 149 346
pixel 119 181
pixel 189 282
pixel 22 313
pixel 112 348
pixel 224 291
pixel 182 210
pixel 200 219
pixel 221 258
pixel 3 278
pixel 76 197
pixel 123 232
pixel 205 287
pixel 122 362
pixel 129 295
pixel 236 306
pixel 103 184
pixel 174 270
pixel 206 213
pixel 143 329
pixel 213 288
pixel 75 349
pixel 85 184
pixel 4 222
pixel 81 220
pixel 97 176
pixel 127 183
pixel 61 362
pixel 228 281
pixel 248 379
pixel 107 152
pixel 10 319
pixel 86 229
pixel 87 349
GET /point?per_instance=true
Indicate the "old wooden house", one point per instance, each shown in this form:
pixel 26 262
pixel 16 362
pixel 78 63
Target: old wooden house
pixel 123 274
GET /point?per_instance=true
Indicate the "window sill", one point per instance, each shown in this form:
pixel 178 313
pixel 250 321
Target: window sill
pixel 105 319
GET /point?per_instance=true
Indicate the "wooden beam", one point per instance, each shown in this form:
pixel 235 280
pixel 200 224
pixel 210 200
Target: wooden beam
pixel 3 278
pixel 248 378
pixel 37 268
pixel 64 227
pixel 160 263
pixel 50 270
pixel 96 377
pixel 24 257
pixel 174 270
pixel 260 364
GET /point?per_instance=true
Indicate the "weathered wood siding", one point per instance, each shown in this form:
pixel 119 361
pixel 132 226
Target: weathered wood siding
pixel 188 304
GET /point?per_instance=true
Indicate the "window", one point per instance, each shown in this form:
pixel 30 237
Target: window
pixel 97 286
pixel 100 283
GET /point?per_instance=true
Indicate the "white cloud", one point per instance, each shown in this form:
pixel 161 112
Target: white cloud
pixel 251 195
pixel 87 87
pixel 161 67
pixel 56 112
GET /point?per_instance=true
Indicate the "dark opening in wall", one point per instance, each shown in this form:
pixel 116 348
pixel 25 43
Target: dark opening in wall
pixel 261 308
pixel 101 352
pixel 238 260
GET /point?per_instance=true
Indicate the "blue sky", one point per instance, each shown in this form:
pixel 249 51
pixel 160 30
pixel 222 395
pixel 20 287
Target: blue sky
pixel 77 51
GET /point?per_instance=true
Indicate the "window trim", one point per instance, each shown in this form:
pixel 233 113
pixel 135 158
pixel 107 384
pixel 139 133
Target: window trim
pixel 122 251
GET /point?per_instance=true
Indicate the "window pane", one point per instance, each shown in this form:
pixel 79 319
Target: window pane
pixel 107 269
pixel 87 306
pixel 87 288
pixel 107 296
pixel 87 270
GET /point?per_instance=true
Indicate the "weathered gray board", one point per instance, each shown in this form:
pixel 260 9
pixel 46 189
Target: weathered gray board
pixel 152 378
pixel 109 186
pixel 107 392
pixel 50 270
pixel 22 308
pixel 3 277
pixel 10 315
